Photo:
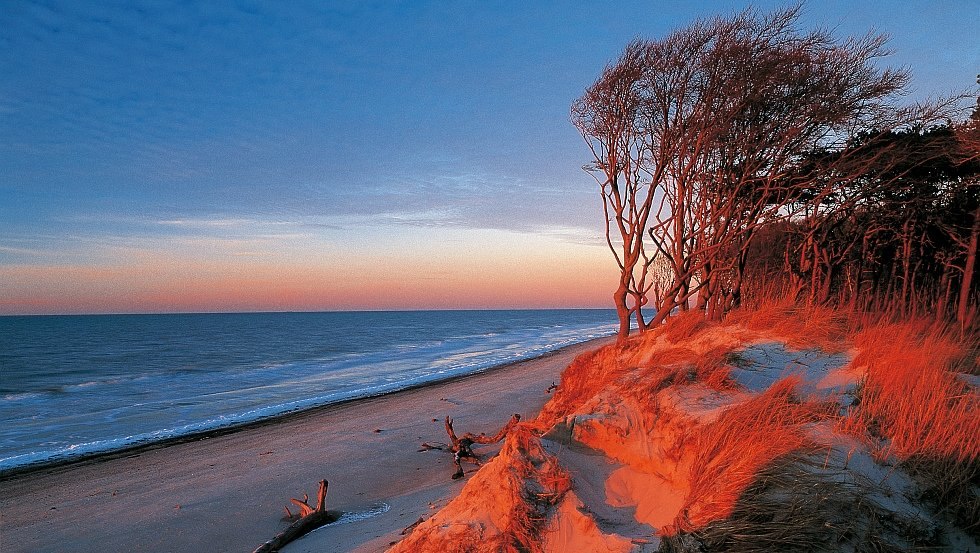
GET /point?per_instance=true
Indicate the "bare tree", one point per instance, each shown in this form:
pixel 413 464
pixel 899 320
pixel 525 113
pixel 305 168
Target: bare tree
pixel 607 118
pixel 969 140
pixel 708 128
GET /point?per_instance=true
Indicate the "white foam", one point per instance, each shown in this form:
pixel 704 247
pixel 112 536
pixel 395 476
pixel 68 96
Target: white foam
pixel 341 378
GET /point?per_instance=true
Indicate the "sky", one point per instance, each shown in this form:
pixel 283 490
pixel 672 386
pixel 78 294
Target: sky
pixel 292 156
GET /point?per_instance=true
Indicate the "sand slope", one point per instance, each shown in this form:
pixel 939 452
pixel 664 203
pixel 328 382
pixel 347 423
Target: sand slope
pixel 694 437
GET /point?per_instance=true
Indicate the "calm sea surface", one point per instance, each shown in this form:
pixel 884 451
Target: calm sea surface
pixel 75 385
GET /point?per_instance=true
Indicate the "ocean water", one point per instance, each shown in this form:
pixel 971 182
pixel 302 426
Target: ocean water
pixel 76 385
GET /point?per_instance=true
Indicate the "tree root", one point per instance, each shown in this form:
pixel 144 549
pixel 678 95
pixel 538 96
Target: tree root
pixel 307 519
pixel 462 448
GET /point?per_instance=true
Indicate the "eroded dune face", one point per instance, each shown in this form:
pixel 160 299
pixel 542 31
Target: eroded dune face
pixel 502 507
pixel 701 437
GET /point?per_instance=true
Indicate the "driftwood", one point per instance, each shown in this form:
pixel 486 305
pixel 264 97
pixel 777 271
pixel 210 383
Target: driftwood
pixel 462 448
pixel 411 526
pixel 307 519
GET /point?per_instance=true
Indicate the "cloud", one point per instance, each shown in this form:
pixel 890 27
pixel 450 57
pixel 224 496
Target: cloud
pixel 218 222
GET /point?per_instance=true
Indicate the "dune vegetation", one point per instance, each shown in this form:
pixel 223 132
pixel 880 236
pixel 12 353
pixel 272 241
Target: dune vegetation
pixel 797 362
pixel 779 428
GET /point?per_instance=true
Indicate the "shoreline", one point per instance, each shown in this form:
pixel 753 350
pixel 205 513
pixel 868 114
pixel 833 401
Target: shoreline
pixel 51 465
pixel 227 489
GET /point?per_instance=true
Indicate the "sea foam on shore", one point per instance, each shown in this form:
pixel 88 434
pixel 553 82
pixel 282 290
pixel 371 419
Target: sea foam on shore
pixel 78 385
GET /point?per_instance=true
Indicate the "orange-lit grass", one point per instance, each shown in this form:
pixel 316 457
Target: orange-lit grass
pixel 649 361
pixel 911 395
pixel 925 416
pixel 799 326
pixel 713 369
pixel 677 352
pixel 684 325
pixel 912 404
pixel 679 365
pixel 728 453
pixel 588 373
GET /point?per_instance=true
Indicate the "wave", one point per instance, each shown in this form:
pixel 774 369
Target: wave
pixel 21 396
pixel 365 374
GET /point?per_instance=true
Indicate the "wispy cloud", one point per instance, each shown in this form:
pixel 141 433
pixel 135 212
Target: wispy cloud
pixel 205 223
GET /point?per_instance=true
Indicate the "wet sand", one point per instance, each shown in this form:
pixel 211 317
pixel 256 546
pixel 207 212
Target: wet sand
pixel 226 492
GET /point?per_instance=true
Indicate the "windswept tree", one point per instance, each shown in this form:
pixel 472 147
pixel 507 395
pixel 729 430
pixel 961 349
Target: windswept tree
pixel 608 116
pixel 698 139
pixel 968 136
pixel 896 235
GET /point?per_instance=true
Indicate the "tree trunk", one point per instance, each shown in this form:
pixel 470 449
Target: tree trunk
pixel 640 323
pixel 963 310
pixel 620 297
pixel 705 293
pixel 906 268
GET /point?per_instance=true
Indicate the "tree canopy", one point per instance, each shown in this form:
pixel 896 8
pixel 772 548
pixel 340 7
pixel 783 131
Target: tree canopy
pixel 732 125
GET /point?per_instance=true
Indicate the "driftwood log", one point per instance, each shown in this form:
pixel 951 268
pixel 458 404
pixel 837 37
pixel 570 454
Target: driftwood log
pixel 462 448
pixel 307 519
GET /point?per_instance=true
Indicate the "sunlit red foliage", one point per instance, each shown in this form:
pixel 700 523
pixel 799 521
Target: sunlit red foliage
pixel 912 396
pixel 799 326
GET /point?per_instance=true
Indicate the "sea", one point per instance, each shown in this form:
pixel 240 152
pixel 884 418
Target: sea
pixel 78 385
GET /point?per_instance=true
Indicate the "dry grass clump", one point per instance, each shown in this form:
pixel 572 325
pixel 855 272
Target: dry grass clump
pixel 503 508
pixel 922 413
pixel 799 326
pixel 729 452
pixel 684 325
pixel 653 360
pixel 713 369
pixel 790 506
pixel 683 366
pixel 588 373
pixel 911 395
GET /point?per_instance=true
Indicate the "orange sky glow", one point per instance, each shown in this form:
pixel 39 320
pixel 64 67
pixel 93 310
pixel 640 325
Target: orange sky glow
pixel 480 270
pixel 213 157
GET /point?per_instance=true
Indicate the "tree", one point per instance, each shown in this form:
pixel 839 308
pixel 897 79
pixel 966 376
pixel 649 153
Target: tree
pixel 969 139
pixel 698 138
pixel 898 235
pixel 607 117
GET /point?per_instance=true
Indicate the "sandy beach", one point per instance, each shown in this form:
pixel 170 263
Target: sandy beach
pixel 226 493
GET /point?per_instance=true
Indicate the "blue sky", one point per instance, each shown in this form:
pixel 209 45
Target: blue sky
pixel 178 139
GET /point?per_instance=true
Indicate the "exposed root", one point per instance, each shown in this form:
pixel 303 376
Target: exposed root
pixel 462 448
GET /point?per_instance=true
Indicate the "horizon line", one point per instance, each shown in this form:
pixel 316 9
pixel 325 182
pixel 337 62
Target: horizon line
pixel 311 311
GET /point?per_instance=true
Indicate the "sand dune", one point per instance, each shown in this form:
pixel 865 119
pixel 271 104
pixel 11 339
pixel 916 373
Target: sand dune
pixel 714 437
